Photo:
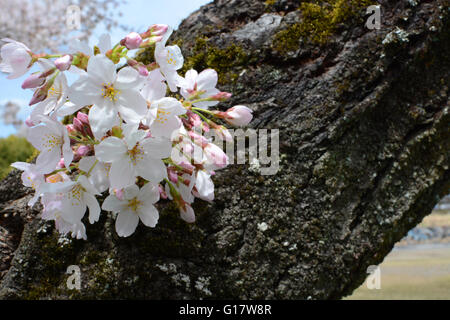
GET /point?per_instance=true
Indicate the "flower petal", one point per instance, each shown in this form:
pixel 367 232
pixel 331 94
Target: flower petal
pixel 132 106
pixel 149 194
pixel 84 91
pixel 155 87
pixel 207 79
pixel 94 207
pixel 157 147
pixel 68 108
pixel 102 120
pixel 127 78
pixel 153 170
pixel 73 209
pixel 187 215
pixel 47 160
pixel 113 204
pixel 126 223
pixel 149 215
pixel 111 149
pixel 101 70
pixel 104 43
pixel 122 174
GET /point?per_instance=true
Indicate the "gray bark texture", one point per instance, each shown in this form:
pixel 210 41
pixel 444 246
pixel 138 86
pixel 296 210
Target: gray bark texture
pixel 363 117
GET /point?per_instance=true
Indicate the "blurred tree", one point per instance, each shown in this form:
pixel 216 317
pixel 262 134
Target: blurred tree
pixel 47 25
pixel 13 149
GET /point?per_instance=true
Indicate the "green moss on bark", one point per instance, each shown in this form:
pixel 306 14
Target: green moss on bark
pixel 320 20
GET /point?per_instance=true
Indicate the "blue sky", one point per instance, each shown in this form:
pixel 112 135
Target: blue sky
pixel 137 14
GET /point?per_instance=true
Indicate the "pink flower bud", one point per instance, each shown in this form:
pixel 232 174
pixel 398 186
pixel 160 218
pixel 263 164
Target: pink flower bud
pixel 70 128
pixel 83 117
pixel 162 193
pixel 188 148
pixel 64 62
pixel 187 125
pixel 143 70
pixel 173 176
pixel 186 165
pixel 221 96
pixel 187 213
pixel 33 81
pixel 239 116
pixel 39 95
pixel 83 150
pixel 154 39
pixel 29 123
pixel 148 135
pixel 198 139
pixel 77 125
pixel 61 164
pixel 159 29
pixel 132 41
pixel 223 133
pixel 216 156
pixel 119 194
pixel 194 119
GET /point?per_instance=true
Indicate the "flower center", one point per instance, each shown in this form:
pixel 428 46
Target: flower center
pixel 108 92
pixel 171 58
pixel 134 204
pixel 161 116
pixel 75 194
pixel 136 154
pixel 33 184
pixel 51 141
pixel 53 92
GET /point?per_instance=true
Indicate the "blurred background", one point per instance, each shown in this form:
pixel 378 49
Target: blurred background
pixel 50 26
pixel 417 268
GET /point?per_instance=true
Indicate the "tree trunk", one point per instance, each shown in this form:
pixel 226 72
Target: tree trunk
pixel 363 117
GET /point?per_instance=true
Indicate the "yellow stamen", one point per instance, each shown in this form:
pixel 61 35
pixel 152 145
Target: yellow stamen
pixel 109 92
pixel 161 116
pixel 136 154
pixel 134 204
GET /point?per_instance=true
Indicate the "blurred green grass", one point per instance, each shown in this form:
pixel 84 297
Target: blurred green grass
pixel 412 273
pixel 13 149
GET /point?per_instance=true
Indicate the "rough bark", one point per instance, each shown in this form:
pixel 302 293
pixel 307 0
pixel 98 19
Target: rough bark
pixel 364 143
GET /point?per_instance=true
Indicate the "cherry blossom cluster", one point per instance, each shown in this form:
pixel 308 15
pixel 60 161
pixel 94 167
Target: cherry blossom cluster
pixel 123 127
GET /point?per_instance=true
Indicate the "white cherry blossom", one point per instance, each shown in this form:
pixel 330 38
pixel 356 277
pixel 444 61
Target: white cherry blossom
pixel 137 204
pixel 56 98
pixel 111 93
pixel 166 122
pixel 99 172
pixel 204 186
pixel 16 58
pixel 52 140
pixel 75 198
pixel 135 155
pixel 52 211
pixel 32 177
pixel 169 60
pixel 203 84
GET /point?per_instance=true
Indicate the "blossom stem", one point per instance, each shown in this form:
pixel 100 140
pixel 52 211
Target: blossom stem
pixel 92 168
pixel 201 115
pixel 170 162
